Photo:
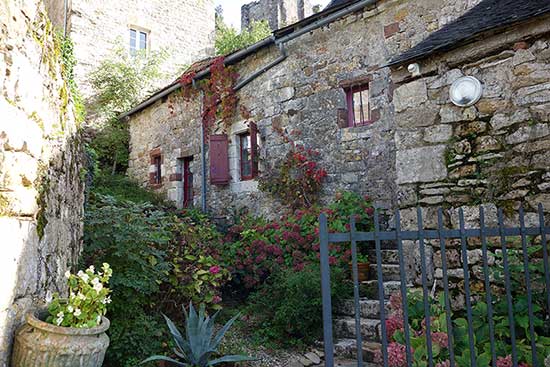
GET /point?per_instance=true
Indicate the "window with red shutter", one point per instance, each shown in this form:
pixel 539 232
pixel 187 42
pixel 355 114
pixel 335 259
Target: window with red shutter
pixel 219 160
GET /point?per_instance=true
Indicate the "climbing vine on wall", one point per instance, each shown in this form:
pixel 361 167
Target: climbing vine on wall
pixel 219 96
pixel 297 179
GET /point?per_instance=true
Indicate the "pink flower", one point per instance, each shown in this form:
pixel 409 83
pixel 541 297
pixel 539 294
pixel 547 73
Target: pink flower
pixel 441 339
pixel 217 299
pixel 214 269
pixel 397 355
pixel 393 324
pixel 504 361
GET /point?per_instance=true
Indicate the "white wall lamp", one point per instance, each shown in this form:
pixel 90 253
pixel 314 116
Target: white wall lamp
pixel 465 91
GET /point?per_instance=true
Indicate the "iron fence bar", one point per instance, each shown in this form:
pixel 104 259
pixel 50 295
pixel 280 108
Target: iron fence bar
pixel 528 286
pixel 403 287
pixel 325 291
pixel 507 285
pixel 355 272
pixel 434 234
pixel 544 257
pixel 464 250
pixel 446 288
pixel 425 295
pixel 383 336
pixel 488 296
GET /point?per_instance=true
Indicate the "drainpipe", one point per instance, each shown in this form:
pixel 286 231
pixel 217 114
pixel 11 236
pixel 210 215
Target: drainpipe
pixel 203 158
pixel 66 10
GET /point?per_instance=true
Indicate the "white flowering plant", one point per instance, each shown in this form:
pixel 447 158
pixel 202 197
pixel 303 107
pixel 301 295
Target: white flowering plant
pixel 87 302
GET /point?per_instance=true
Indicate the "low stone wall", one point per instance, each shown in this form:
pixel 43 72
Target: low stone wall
pixel 41 192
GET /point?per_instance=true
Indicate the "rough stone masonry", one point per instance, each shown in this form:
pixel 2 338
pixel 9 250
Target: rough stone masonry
pixel 41 192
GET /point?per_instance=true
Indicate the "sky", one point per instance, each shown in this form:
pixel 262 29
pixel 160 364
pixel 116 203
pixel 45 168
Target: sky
pixel 232 9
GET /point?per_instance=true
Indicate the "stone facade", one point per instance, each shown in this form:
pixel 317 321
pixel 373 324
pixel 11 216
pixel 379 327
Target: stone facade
pixel 185 29
pixel 305 94
pixel 41 193
pixel 494 153
pixel 278 13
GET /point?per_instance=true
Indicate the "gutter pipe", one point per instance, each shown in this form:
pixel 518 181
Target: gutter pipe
pixel 65 15
pixel 324 21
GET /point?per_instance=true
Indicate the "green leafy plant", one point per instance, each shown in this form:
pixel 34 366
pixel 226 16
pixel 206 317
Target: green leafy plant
pixel 287 309
pixel 199 344
pixel 87 302
pixel 229 40
pixel 119 82
pixel 362 258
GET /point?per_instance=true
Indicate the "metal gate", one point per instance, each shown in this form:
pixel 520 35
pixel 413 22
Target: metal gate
pixel 527 261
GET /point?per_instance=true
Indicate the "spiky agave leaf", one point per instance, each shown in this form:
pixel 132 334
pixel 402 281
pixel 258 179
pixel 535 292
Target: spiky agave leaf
pixel 233 358
pixel 218 339
pixel 167 359
pixel 182 344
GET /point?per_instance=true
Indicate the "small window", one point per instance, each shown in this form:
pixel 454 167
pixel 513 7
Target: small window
pixel 157 162
pixel 187 178
pixel 245 156
pixel 358 105
pixel 138 41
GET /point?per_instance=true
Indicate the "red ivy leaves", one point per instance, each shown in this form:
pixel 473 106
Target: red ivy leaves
pixel 219 97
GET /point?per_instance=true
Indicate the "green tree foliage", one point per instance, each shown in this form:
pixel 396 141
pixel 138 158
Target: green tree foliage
pixel 120 82
pixel 229 40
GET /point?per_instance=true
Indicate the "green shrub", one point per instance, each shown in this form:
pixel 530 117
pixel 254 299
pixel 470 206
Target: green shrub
pixel 288 308
pixel 254 249
pixel 160 258
pixel 132 238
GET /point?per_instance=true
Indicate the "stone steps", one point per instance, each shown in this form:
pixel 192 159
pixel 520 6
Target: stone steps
pixel 344 328
pixel 369 289
pixel 347 348
pixel 370 308
pixel 389 272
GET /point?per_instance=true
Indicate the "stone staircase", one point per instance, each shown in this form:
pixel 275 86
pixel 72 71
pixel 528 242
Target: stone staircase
pixel 344 319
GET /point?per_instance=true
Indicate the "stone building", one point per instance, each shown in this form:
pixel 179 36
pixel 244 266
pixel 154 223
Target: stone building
pixel 278 13
pixel 41 192
pixel 370 90
pixel 307 92
pixel 185 29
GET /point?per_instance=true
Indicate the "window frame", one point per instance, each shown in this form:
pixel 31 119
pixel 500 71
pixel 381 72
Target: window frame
pixel 350 92
pixel 157 163
pixel 187 181
pixel 137 39
pixel 250 161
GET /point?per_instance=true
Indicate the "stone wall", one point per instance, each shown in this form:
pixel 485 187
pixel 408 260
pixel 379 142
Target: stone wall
pixel 494 153
pixel 303 94
pixel 278 13
pixel 41 193
pixel 185 29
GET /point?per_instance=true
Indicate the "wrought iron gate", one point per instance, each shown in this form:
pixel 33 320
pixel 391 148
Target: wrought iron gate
pixel 525 258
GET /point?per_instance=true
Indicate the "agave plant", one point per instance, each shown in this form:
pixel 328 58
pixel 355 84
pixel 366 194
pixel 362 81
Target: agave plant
pixel 199 343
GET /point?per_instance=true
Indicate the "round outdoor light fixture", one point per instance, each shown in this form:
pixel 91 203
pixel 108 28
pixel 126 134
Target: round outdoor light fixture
pixel 465 91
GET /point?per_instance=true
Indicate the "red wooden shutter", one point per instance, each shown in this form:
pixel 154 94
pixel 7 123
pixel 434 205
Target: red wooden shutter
pixel 254 154
pixel 219 160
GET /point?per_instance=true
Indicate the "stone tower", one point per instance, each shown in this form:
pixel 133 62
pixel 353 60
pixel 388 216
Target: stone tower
pixel 184 28
pixel 278 13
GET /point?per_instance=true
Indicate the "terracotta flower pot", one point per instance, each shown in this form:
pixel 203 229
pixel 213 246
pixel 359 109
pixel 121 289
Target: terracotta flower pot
pixel 362 271
pixel 38 343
